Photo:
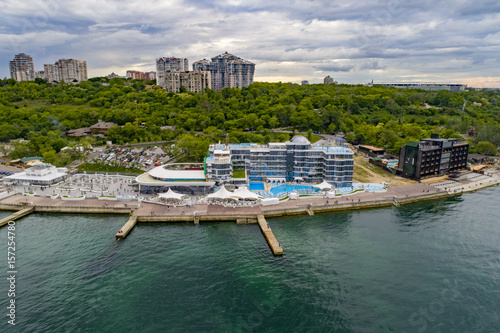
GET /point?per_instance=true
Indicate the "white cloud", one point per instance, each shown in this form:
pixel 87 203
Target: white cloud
pixel 297 40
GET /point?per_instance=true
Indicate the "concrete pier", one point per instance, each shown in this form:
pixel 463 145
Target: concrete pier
pixel 16 215
pixel 268 233
pixel 123 232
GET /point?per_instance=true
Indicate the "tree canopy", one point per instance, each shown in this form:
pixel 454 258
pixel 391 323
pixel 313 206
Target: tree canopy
pixel 383 116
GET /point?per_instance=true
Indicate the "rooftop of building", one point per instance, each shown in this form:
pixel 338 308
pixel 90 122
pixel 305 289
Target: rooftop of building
pixel 41 166
pixel 232 57
pixel 163 173
pixel 102 125
pixel 33 158
pixel 371 147
pixel 218 148
pixel 77 132
pixel 299 139
pixel 434 143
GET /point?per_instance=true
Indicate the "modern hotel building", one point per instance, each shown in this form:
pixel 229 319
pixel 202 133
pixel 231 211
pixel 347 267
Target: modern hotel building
pixel 295 160
pixel 431 157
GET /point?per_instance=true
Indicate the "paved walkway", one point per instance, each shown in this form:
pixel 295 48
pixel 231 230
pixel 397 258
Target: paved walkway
pixel 395 194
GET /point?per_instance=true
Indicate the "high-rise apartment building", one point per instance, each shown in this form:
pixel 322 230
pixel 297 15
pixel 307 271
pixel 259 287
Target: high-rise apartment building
pixel 165 65
pixel 329 80
pixel 22 68
pixel 228 71
pixel 196 81
pixel 67 70
pixel 172 74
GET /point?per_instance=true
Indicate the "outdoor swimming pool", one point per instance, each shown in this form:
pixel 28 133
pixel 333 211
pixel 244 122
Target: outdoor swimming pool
pixel 256 186
pixel 372 187
pixel 301 189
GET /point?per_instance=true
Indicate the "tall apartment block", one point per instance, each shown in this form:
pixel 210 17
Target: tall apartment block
pixel 227 71
pixel 173 73
pixel 168 64
pixel 22 68
pixel 329 80
pixel 67 70
pixel 295 160
pixel 431 157
pixel 195 81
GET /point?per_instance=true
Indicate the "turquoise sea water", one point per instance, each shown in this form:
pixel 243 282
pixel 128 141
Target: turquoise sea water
pixel 427 267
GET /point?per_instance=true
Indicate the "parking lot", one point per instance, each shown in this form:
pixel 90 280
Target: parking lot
pixel 139 158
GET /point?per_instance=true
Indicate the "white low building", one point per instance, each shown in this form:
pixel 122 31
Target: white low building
pixel 39 174
pixel 188 181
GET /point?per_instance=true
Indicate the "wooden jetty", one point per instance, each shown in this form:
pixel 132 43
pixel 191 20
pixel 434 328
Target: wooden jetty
pixel 268 233
pixel 16 215
pixel 123 232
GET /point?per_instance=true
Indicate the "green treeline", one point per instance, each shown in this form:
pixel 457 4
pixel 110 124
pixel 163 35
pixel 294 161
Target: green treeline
pixel 387 117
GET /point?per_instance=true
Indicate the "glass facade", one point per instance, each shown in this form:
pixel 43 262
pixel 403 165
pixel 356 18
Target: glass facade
pixel 296 160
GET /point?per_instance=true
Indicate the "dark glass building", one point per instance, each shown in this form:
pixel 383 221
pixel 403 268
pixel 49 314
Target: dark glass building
pixel 432 157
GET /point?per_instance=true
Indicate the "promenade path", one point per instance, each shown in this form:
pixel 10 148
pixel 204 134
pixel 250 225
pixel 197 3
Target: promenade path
pixel 149 212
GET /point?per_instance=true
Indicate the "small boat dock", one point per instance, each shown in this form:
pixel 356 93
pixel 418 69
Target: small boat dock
pixel 16 215
pixel 124 231
pixel 268 233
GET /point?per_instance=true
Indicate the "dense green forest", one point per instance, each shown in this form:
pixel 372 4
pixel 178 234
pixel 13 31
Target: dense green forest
pixel 387 117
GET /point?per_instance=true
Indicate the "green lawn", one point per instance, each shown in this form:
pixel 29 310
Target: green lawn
pixel 314 138
pixel 238 173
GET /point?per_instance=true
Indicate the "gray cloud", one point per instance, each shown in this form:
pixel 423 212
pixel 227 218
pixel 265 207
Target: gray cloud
pixel 289 41
pixel 335 68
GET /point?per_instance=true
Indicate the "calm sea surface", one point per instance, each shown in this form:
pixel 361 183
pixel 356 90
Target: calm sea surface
pixel 427 267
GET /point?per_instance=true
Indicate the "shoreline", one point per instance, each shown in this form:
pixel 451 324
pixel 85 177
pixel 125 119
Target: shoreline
pixel 149 212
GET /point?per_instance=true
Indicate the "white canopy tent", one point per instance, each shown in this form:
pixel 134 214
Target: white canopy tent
pixel 244 193
pixel 223 193
pixel 172 195
pixel 324 186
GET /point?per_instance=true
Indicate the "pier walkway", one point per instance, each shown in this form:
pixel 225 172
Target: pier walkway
pixel 268 233
pixel 16 215
pixel 123 232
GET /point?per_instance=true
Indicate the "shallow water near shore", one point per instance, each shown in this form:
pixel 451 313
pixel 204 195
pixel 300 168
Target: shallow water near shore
pixel 426 267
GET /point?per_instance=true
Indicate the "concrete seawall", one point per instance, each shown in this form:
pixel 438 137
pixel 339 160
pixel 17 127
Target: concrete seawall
pixel 299 208
pixel 151 213
pixel 69 209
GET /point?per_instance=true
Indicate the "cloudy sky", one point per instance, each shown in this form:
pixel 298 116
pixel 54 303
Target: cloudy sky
pixel 289 40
